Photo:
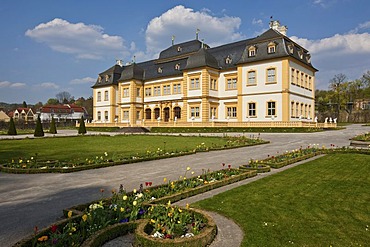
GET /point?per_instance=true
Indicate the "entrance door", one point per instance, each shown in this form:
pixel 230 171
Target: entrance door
pixel 166 112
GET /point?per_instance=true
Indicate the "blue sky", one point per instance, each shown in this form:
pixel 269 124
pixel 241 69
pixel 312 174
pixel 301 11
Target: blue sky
pixel 50 46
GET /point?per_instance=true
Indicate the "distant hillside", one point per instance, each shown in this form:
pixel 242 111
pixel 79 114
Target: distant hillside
pixel 6 107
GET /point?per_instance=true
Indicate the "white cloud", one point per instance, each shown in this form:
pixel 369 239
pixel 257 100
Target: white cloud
pixel 49 85
pixel 85 80
pixel 339 44
pixel 360 27
pixel 7 84
pixel 258 22
pixel 83 41
pixel 183 23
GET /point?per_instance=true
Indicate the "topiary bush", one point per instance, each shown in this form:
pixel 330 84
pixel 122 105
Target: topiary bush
pixel 38 130
pixel 12 130
pixel 82 128
pixel 53 128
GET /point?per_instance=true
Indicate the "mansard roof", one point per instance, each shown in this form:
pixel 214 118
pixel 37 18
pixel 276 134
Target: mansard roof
pixel 200 59
pixel 180 49
pixel 132 71
pixel 113 73
pixel 194 54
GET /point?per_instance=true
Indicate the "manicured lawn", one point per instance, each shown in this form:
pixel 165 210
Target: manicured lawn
pixel 82 147
pixel 325 202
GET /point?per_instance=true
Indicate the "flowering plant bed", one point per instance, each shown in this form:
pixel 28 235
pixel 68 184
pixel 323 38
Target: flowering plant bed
pixel 260 168
pixel 33 164
pixel 181 227
pixel 91 222
pixel 288 158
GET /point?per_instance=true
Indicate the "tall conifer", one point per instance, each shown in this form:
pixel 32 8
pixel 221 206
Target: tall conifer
pixel 12 130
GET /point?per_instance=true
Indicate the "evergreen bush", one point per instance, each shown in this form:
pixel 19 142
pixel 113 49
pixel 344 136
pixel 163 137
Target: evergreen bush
pixel 53 128
pixel 82 128
pixel 12 130
pixel 38 130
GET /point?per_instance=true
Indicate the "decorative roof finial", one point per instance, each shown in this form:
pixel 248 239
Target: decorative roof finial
pixel 197 34
pixel 173 39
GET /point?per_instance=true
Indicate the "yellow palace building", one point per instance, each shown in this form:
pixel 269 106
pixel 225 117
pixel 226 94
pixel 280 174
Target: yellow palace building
pixel 264 81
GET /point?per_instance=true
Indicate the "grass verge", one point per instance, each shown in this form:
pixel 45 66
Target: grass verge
pixel 79 148
pixel 321 203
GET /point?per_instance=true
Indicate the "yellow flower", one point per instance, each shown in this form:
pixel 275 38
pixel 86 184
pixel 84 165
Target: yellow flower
pixel 169 214
pixel 187 206
pixel 164 180
pixel 169 203
pixel 73 229
pixel 124 198
pixel 134 203
pixel 69 214
pixel 188 168
pixel 43 238
pixel 192 173
pixel 153 221
pixel 180 210
pixel 84 217
pixel 134 191
pixel 122 209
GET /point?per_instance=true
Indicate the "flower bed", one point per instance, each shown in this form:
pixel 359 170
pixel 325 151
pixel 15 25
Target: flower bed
pixel 102 220
pixel 288 158
pixel 34 165
pixel 194 228
pixel 260 168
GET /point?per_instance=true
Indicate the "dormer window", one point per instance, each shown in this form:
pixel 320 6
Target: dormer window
pixel 160 70
pixel 308 58
pixel 99 79
pixel 252 51
pixel 228 60
pixel 291 49
pixel 106 78
pixel 179 49
pixel 177 66
pixel 271 48
pixel 300 54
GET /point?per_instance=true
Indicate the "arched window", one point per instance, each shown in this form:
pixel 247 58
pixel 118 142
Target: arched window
pixel 177 112
pixel 148 113
pixel 156 113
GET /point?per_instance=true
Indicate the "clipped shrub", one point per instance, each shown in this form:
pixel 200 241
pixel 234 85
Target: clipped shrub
pixel 82 128
pixel 38 130
pixel 12 130
pixel 53 128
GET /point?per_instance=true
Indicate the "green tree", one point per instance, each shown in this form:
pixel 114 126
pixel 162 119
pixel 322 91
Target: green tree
pixel 53 128
pixel 52 101
pixel 38 130
pixel 82 128
pixel 12 130
pixel 24 104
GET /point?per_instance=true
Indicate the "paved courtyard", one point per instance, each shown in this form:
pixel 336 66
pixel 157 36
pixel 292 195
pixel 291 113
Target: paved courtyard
pixel 38 199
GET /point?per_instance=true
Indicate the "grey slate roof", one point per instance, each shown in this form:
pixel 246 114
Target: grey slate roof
pixel 200 59
pixel 132 71
pixel 181 49
pixel 189 55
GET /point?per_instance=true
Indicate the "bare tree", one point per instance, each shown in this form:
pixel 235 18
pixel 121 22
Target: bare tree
pixel 337 86
pixel 63 97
